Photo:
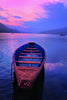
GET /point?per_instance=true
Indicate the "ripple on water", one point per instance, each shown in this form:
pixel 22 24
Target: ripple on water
pixel 1 57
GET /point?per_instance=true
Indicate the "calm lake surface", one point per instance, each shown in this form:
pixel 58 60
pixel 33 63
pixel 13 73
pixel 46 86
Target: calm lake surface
pixel 54 84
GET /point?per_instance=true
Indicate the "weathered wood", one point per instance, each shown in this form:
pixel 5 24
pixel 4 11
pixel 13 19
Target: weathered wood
pixel 30 57
pixel 31 50
pixel 23 69
pixel 29 62
pixel 30 53
pixel 28 71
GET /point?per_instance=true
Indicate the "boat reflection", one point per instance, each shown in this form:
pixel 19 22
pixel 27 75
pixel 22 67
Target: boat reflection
pixel 35 93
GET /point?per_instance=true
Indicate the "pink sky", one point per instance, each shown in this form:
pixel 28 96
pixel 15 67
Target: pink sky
pixel 26 10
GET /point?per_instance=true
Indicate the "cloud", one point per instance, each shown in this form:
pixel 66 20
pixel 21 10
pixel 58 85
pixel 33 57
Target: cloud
pixel 20 11
pixel 17 17
pixel 1 17
pixel 1 9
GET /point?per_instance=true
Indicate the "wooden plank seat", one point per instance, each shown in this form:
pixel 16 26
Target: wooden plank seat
pixel 29 62
pixel 31 48
pixel 30 53
pixel 20 68
pixel 30 57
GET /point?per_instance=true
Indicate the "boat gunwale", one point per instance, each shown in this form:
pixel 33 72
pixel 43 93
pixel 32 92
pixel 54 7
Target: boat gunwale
pixel 38 69
pixel 44 57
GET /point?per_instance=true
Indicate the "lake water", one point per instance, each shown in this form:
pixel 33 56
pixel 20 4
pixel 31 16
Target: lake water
pixel 54 84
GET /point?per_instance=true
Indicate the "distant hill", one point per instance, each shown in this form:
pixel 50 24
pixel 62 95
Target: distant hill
pixel 5 29
pixel 62 31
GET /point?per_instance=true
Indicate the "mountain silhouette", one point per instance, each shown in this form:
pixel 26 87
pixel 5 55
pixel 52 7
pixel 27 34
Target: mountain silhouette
pixel 5 29
pixel 56 31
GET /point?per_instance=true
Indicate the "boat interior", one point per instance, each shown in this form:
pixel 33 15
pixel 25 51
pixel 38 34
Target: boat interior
pixel 29 55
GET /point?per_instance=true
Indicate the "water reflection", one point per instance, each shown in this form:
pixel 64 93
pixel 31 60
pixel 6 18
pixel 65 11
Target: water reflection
pixel 53 66
pixel 55 86
pixel 30 94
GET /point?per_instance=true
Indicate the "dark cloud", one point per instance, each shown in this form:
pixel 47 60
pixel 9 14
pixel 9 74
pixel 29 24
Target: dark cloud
pixel 1 9
pixel 1 17
pixel 17 17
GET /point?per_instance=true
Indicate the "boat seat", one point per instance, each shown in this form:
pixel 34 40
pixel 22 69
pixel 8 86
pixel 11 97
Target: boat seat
pixel 23 69
pixel 29 62
pixel 31 50
pixel 30 57
pixel 30 53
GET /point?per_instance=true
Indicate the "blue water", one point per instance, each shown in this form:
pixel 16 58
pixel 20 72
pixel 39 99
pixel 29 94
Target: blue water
pixel 55 68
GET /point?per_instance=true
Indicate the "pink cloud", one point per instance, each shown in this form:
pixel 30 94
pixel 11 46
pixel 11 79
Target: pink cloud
pixel 28 10
pixel 9 23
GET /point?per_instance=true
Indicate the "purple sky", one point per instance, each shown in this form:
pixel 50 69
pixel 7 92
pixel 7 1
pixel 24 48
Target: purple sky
pixel 34 15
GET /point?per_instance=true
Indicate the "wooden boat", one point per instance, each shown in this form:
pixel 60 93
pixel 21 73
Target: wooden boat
pixel 28 61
